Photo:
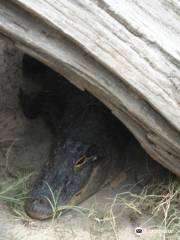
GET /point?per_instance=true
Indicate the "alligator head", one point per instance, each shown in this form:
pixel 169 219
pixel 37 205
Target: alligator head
pixel 74 172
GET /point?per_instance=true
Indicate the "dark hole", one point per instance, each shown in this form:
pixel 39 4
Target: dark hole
pixel 56 94
pixel 54 85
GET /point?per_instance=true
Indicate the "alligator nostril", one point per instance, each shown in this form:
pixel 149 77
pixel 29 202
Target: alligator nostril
pixel 41 205
pixel 40 201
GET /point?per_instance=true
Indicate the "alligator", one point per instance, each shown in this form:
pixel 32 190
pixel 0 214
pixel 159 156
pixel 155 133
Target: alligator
pixel 87 151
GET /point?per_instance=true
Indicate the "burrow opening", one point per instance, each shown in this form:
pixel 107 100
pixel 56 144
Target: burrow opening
pixel 26 142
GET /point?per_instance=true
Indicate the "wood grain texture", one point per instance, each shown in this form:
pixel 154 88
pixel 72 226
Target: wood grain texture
pixel 126 53
pixel 119 43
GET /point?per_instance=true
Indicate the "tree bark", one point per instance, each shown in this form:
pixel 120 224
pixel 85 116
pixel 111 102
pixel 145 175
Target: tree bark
pixel 126 53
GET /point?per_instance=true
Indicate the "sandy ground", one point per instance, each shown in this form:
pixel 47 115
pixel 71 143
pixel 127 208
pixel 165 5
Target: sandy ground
pixel 24 146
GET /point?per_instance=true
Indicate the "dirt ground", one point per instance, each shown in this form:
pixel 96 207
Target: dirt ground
pixel 25 145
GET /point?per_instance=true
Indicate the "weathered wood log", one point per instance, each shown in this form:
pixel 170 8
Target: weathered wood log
pixel 126 53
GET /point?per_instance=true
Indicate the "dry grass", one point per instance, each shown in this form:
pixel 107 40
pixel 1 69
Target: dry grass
pixel 13 193
pixel 158 200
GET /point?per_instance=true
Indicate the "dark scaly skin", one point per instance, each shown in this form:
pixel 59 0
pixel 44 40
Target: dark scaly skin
pixel 87 153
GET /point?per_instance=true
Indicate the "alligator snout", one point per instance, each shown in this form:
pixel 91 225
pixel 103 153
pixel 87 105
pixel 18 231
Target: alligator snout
pixel 69 171
pixel 39 208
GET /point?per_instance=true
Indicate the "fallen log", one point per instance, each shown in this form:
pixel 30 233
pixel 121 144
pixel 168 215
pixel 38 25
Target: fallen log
pixel 126 53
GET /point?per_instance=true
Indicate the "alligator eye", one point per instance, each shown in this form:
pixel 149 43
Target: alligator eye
pixel 78 194
pixel 80 162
